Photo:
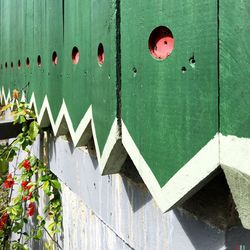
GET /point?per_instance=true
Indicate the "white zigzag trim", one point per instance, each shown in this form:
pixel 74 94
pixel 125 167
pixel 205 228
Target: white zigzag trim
pixel 45 117
pixel 221 150
pixel 186 179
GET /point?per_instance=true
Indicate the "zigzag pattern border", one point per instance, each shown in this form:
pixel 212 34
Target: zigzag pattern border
pixel 180 185
pixel 45 117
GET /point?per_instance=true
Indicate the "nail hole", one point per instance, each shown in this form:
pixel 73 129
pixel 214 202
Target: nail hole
pixel 54 58
pixel 192 62
pixel 100 54
pixel 12 65
pixel 183 69
pixel 6 65
pixel 161 43
pixel 39 61
pixel 28 62
pixel 134 71
pixel 19 64
pixel 75 55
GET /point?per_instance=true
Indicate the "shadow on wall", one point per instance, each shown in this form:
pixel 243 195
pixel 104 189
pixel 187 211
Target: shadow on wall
pixel 191 233
pixel 213 203
pixel 139 196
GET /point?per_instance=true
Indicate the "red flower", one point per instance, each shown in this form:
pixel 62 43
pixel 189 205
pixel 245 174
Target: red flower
pixel 25 185
pixel 31 209
pixel 26 198
pixel 9 182
pixel 3 220
pixel 26 164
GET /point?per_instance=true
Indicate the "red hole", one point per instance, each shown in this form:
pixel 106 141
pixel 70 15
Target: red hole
pixel 39 61
pixel 75 55
pixel 12 65
pixel 161 42
pixel 28 62
pixel 100 54
pixel 54 58
pixel 19 64
pixel 6 65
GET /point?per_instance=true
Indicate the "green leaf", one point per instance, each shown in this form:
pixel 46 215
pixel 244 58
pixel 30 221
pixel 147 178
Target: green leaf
pixel 39 217
pixel 33 130
pixel 39 233
pixel 17 227
pixel 56 184
pixel 32 160
pixel 44 178
pixel 51 226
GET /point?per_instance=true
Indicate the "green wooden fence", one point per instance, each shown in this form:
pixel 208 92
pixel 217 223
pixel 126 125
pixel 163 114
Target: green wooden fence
pixel 165 81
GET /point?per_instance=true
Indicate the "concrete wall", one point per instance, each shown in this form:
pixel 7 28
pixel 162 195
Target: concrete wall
pixel 114 212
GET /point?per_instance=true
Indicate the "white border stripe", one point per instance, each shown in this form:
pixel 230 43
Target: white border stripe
pixel 45 117
pixel 235 153
pixel 189 176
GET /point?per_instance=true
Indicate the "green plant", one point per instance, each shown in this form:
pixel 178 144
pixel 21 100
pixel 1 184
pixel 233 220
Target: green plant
pixel 29 178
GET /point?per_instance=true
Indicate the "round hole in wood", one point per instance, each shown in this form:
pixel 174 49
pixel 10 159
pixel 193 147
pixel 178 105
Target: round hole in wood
pixel 161 42
pixel 19 64
pixel 39 61
pixel 54 58
pixel 75 55
pixel 28 62
pixel 100 54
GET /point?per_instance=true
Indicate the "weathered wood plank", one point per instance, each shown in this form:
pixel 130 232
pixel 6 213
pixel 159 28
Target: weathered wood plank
pixel 170 107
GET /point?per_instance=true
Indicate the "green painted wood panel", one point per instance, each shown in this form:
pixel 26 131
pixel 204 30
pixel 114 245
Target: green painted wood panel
pixel 234 68
pixel 169 109
pixel 103 78
pixel 170 113
pixel 42 27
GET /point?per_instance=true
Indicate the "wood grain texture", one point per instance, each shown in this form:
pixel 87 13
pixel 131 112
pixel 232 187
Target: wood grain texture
pixel 234 68
pixel 33 28
pixel 169 113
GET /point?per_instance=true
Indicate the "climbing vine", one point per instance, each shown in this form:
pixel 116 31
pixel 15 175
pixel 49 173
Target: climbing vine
pixel 21 220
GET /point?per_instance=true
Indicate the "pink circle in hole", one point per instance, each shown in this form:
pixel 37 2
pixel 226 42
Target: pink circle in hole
pixel 161 42
pixel 75 55
pixel 100 54
pixel 54 58
pixel 19 64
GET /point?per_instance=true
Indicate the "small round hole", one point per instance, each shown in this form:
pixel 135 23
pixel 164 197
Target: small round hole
pixel 28 62
pixel 192 62
pixel 183 69
pixel 12 65
pixel 134 71
pixel 54 58
pixel 39 61
pixel 19 64
pixel 100 54
pixel 6 65
pixel 75 55
pixel 161 42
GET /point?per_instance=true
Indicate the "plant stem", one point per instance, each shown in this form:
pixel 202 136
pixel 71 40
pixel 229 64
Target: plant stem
pixel 52 237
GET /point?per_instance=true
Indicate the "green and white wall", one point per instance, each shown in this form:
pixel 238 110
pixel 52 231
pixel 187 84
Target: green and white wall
pixel 164 82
